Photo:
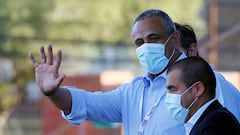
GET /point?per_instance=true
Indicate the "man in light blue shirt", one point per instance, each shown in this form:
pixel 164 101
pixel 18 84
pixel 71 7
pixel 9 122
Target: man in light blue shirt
pixel 227 94
pixel 139 104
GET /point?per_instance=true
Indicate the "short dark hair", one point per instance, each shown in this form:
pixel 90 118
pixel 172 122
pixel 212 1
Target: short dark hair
pixel 167 21
pixel 187 35
pixel 195 69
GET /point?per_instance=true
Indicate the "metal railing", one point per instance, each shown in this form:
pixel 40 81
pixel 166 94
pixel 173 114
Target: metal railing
pixel 224 51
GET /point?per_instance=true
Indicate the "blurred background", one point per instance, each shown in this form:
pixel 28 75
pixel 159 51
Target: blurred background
pixel 98 53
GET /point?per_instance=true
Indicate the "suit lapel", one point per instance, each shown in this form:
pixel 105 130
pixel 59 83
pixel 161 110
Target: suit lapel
pixel 210 109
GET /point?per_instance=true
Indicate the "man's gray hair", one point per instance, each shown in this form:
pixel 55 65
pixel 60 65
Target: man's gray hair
pixel 167 21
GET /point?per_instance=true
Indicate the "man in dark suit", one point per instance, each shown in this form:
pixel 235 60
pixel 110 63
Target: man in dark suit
pixel 191 99
pixel 226 93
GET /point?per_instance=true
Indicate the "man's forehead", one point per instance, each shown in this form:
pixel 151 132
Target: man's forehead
pixel 174 75
pixel 148 26
pixel 173 78
pixel 152 21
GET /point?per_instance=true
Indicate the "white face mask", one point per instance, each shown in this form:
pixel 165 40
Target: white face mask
pixel 152 56
pixel 173 105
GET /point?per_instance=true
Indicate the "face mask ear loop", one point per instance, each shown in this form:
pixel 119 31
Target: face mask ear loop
pixel 165 45
pixel 192 103
pixel 172 54
pixel 193 100
pixel 168 39
pixel 187 89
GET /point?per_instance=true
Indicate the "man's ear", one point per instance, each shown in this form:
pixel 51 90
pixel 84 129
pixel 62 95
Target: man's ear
pixel 193 50
pixel 176 39
pixel 200 88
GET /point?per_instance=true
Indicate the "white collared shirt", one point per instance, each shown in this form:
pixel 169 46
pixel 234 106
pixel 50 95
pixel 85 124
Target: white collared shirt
pixel 189 125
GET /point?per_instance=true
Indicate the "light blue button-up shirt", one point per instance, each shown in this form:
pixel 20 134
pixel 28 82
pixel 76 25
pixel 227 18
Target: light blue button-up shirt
pixel 129 104
pixel 124 105
pixel 227 94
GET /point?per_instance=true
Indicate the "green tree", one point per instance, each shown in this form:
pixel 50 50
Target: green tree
pixel 21 23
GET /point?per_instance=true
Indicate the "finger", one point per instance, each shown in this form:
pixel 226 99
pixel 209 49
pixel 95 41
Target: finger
pixel 43 55
pixel 57 63
pixel 50 55
pixel 33 59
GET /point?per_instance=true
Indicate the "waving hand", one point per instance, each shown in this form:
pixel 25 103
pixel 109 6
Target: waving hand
pixel 46 70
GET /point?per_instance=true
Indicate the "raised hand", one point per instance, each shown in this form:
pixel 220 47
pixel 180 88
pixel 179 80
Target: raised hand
pixel 46 70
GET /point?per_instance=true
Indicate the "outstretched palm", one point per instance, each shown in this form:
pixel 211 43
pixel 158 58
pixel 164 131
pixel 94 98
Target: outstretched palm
pixel 46 71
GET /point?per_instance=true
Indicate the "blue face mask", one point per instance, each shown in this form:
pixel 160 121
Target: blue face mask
pixel 174 106
pixel 152 56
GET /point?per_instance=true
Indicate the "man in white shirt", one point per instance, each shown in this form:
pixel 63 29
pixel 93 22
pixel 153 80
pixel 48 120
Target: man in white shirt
pixel 191 99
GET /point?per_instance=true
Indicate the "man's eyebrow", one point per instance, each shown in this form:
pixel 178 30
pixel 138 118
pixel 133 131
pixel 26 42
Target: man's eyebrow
pixel 155 34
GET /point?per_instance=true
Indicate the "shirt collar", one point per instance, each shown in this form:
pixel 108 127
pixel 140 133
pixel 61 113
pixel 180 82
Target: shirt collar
pixel 147 79
pixel 182 56
pixel 199 112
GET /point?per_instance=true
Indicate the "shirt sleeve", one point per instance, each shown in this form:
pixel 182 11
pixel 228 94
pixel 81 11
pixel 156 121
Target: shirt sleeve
pixel 96 106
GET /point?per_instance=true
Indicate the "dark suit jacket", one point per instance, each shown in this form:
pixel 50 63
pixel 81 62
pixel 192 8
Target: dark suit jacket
pixel 216 120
